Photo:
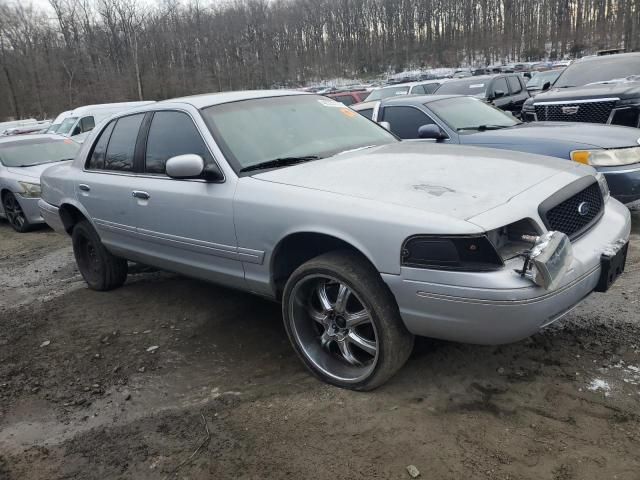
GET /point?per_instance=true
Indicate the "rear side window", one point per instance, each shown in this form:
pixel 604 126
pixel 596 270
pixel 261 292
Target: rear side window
pixel 171 134
pixel 405 121
pixel 345 99
pixel 87 124
pixel 366 112
pixel 500 85
pixel 417 90
pixel 122 144
pixel 96 162
pixel 430 87
pixel 514 84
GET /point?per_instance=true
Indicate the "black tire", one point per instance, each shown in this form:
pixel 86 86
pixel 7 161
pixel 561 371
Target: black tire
pixel 100 269
pixel 14 213
pixel 393 344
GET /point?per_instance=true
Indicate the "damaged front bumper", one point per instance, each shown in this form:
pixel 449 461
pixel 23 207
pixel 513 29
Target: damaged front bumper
pixel 503 306
pixel 51 215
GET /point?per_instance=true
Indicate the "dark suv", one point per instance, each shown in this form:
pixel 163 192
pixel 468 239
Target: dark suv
pixel 595 89
pixel 506 91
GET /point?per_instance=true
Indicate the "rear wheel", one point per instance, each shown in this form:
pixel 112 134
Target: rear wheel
pixel 14 213
pixel 99 268
pixel 344 322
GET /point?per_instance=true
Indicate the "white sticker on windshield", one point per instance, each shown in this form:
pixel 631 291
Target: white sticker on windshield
pixel 476 85
pixel 331 103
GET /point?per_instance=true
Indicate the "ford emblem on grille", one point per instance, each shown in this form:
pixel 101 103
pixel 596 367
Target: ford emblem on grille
pixel 570 110
pixel 583 208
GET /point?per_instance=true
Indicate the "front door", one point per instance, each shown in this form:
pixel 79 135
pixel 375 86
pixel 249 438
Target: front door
pixel 187 224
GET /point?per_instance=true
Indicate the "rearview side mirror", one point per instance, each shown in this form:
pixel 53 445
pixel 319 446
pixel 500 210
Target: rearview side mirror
pixel 431 131
pixel 546 86
pixel 385 125
pixel 498 94
pixel 185 166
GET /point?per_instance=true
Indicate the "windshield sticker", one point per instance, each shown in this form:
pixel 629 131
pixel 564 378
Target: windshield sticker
pixel 477 85
pixel 348 112
pixel 331 103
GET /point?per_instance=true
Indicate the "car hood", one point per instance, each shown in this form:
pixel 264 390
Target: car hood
pixel 33 172
pixel 458 181
pixel 621 90
pixel 572 134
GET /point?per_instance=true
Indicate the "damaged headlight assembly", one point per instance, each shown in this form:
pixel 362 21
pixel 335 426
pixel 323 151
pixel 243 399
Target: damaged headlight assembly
pixel 472 253
pixel 30 190
pixel 548 260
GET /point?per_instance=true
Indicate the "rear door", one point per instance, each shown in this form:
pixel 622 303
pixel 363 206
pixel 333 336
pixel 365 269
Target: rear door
pixel 518 92
pixel 105 184
pixel 187 225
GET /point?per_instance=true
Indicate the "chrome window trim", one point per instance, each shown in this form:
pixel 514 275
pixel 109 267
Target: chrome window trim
pixel 592 100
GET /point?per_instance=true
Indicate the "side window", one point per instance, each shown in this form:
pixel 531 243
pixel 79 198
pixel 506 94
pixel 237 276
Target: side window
pixel 87 124
pixel 418 90
pixel 514 84
pixel 345 99
pixel 96 161
pixel 405 121
pixel 500 85
pixel 122 144
pixel 429 88
pixel 367 112
pixel 171 134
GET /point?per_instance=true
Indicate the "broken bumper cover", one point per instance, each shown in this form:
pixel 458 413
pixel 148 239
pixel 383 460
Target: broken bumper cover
pixel 51 215
pixel 30 209
pixel 502 306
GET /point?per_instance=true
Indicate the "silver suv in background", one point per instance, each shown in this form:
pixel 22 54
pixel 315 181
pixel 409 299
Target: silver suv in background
pixel 366 240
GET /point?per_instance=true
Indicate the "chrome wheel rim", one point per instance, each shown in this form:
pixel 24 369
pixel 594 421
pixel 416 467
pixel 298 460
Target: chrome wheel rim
pixel 333 328
pixel 13 212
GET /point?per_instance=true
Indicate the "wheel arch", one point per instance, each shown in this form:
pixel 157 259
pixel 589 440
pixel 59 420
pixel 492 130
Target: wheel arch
pixel 71 214
pixel 296 248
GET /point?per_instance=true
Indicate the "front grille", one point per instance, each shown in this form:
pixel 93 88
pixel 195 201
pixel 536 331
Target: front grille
pixel 590 112
pixel 576 214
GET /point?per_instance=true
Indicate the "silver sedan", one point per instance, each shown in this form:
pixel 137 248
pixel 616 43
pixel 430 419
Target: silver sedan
pixel 22 160
pixel 366 240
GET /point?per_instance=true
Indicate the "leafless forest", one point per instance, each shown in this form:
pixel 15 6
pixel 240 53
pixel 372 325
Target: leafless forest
pixel 92 51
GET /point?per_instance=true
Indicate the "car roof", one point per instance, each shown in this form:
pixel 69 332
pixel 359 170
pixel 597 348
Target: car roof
pixel 210 99
pixel 602 57
pixel 27 138
pixel 417 99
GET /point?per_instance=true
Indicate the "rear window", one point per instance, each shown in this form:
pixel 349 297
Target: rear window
pixel 37 152
pixel 472 86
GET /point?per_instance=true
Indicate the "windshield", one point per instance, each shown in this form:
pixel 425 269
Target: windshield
pixel 258 130
pixel 601 69
pixel 22 153
pixel 470 113
pixel 541 78
pixel 67 125
pixel 473 86
pixel 387 92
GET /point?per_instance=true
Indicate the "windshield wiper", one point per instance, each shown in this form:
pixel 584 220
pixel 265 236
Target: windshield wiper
pixel 482 128
pixel 279 162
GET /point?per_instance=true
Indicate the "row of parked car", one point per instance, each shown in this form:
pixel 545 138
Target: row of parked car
pixel 365 238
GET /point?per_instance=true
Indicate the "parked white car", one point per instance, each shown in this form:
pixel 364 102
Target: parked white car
pixel 84 119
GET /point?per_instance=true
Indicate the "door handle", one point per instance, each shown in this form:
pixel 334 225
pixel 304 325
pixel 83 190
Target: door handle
pixel 141 195
pixel 84 187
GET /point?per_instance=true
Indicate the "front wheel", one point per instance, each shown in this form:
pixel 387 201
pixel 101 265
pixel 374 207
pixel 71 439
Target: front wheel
pixel 99 268
pixel 344 322
pixel 14 213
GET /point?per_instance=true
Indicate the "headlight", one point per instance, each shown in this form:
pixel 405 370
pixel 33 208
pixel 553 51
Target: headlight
pixel 604 186
pixel 31 190
pixel 469 253
pixel 607 158
pixel 528 106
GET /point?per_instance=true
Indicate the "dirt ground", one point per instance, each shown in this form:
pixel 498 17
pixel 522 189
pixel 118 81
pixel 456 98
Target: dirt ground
pixel 84 396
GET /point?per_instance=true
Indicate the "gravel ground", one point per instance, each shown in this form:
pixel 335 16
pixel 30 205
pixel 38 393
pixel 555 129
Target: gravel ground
pixel 174 378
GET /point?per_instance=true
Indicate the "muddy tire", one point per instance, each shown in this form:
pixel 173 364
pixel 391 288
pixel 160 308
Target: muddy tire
pixel 344 323
pixel 100 269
